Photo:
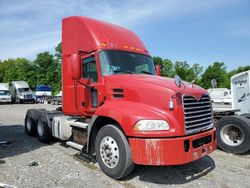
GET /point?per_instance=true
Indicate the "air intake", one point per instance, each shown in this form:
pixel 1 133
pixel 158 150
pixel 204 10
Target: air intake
pixel 118 93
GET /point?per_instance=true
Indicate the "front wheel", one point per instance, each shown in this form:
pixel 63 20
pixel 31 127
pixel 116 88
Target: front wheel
pixel 233 134
pixel 113 152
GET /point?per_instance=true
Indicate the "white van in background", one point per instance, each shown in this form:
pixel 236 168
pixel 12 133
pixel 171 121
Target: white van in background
pixel 5 96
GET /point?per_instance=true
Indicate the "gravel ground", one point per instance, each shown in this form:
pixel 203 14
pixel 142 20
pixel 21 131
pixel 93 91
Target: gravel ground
pixel 58 166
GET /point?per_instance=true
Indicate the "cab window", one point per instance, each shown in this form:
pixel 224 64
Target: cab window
pixel 89 69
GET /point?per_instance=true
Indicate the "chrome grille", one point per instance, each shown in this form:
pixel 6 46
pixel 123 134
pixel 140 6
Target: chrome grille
pixel 198 114
pixel 28 96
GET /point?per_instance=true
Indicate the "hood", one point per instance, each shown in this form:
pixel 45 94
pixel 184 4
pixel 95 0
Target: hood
pixel 152 82
pixel 159 96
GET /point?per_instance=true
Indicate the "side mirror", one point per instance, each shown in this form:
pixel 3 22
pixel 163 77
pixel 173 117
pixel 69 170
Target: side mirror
pixel 158 70
pixel 75 61
pixel 178 81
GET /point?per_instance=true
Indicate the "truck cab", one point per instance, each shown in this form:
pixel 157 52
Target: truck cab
pixel 240 86
pixel 21 92
pixel 116 107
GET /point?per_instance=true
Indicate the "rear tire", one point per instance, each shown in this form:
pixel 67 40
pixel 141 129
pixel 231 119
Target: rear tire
pixel 30 125
pixel 233 134
pixel 44 133
pixel 113 152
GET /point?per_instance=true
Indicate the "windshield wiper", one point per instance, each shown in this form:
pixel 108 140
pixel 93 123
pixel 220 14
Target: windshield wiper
pixel 119 71
pixel 242 97
pixel 146 72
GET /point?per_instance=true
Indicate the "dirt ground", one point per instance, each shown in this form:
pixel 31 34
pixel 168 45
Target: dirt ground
pixel 24 162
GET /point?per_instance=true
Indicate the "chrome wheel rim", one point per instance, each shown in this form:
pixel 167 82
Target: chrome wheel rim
pixel 109 152
pixel 232 135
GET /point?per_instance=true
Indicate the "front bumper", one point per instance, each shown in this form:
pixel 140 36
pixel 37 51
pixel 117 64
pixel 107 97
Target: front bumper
pixel 171 151
pixel 5 100
pixel 27 100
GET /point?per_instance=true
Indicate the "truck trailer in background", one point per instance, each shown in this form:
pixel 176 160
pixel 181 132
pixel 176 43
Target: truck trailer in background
pixel 21 92
pixel 5 96
pixel 115 107
pixel 233 125
pixel 43 92
pixel 220 95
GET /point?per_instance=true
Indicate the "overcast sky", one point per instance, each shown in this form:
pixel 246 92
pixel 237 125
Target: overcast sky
pixel 197 31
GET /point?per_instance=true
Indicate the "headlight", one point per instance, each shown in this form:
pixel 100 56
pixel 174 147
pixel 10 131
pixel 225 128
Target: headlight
pixel 151 125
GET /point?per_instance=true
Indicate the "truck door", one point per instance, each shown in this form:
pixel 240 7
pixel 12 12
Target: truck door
pixel 89 100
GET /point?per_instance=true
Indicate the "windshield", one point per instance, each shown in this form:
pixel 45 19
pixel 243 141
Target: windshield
pixel 21 90
pixel 121 62
pixel 4 92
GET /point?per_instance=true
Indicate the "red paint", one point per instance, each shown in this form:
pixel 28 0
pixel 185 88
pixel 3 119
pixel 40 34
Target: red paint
pixel 168 151
pixel 158 70
pixel 145 96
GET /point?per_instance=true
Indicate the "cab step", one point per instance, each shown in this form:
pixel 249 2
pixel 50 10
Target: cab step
pixel 79 124
pixel 74 145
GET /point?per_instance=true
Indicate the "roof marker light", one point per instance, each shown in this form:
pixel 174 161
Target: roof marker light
pixel 125 46
pixel 104 44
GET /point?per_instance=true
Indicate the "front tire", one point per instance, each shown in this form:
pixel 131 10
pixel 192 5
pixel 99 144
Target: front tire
pixel 44 133
pixel 113 152
pixel 233 134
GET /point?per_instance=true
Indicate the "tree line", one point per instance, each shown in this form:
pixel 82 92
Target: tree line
pixel 46 70
pixel 196 72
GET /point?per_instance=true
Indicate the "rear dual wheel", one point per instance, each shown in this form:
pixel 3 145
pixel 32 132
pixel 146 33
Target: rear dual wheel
pixel 29 125
pixel 44 133
pixel 36 125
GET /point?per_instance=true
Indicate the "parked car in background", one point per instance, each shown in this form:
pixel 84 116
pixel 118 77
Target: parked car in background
pixel 5 96
pixel 56 100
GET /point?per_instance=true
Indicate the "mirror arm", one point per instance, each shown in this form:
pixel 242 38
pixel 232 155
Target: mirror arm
pixel 87 86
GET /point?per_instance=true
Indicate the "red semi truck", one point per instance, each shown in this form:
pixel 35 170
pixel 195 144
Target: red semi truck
pixel 117 108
